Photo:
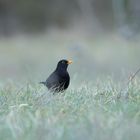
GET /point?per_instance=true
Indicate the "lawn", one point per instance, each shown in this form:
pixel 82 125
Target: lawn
pixel 98 105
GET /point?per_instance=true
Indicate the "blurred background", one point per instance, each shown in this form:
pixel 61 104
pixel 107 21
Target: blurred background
pixel 100 36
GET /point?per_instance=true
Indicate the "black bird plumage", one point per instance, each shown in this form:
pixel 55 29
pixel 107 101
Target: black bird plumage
pixel 59 80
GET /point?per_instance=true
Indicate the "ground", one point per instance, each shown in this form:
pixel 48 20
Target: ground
pixel 100 107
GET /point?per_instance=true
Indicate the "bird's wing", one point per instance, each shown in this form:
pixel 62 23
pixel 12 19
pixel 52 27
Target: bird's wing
pixel 52 80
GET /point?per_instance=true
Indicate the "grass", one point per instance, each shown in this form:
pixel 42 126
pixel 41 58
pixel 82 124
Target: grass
pixel 89 112
pixel 90 109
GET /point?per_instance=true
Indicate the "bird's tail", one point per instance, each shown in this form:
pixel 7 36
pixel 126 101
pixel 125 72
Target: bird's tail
pixel 42 83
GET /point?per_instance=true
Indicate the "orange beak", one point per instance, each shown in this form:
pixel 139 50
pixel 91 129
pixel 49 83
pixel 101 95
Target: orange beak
pixel 69 62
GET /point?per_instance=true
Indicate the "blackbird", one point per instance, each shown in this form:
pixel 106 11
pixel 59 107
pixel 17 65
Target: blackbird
pixel 59 80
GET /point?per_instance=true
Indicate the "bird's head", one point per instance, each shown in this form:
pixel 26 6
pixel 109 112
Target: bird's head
pixel 63 64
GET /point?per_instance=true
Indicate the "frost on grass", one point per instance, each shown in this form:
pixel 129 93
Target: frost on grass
pixel 91 111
